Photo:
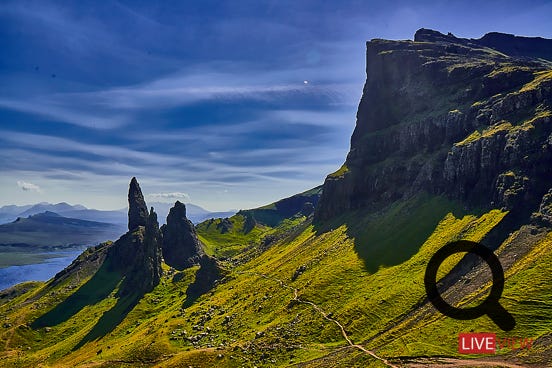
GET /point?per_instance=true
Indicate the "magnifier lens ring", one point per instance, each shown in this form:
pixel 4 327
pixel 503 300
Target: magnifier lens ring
pixel 431 283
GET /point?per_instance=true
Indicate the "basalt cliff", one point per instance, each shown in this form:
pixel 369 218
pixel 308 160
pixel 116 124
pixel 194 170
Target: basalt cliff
pixel 467 118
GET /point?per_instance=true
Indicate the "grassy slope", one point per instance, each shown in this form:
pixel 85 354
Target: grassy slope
pixel 253 322
pixel 232 242
pixel 269 220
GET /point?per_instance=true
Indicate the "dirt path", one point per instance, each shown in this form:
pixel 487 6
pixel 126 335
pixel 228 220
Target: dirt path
pixel 11 332
pixel 453 363
pixel 414 362
pixel 325 315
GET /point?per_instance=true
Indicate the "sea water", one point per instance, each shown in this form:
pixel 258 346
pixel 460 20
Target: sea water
pixel 42 271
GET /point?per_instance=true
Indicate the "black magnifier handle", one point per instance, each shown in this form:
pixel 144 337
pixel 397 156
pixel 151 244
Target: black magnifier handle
pixel 501 317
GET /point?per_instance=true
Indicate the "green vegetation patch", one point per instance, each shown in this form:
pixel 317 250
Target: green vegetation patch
pixel 340 172
pixel 540 77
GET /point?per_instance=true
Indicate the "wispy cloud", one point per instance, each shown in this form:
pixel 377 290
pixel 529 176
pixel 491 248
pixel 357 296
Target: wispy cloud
pixel 169 196
pixel 111 152
pixel 62 110
pixel 28 187
pixel 119 106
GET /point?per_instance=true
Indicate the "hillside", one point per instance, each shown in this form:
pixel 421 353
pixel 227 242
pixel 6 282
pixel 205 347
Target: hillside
pixel 453 141
pixel 249 229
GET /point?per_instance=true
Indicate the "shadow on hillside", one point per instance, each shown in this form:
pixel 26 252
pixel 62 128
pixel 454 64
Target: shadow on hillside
pixel 396 233
pixel 98 288
pixel 111 318
pixel 206 277
pixel 93 291
pixel 191 299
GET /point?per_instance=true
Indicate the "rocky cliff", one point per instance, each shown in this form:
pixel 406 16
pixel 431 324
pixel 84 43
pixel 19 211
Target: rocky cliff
pixel 181 247
pixel 469 119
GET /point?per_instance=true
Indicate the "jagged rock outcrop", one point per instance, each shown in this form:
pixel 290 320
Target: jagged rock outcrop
pixel 463 118
pixel 543 216
pixel 137 209
pixel 181 246
pixel 225 225
pixel 137 254
pixel 307 209
pixel 206 277
pixel 249 222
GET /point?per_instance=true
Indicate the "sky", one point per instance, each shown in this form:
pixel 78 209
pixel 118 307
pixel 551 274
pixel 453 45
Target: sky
pixel 225 104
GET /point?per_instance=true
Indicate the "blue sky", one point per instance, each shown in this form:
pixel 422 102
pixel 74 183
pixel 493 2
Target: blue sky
pixel 225 104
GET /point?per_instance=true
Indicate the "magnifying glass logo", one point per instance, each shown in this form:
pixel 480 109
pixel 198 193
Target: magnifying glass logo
pixel 490 306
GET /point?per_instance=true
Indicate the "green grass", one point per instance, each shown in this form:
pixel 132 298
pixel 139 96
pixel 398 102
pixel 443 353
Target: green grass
pixel 476 135
pixel 96 290
pixel 340 172
pixel 227 244
pixel 252 321
pixel 539 78
pixel 527 289
pixel 377 239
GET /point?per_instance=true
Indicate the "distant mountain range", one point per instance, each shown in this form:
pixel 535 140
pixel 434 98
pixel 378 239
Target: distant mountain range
pixel 50 230
pixel 10 213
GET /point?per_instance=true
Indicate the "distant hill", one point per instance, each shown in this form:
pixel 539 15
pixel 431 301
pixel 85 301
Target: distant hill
pixel 49 229
pixel 10 212
pixel 196 213
pixel 228 236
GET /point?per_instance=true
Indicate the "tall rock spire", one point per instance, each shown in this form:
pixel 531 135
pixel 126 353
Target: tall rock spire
pixel 137 254
pixel 137 209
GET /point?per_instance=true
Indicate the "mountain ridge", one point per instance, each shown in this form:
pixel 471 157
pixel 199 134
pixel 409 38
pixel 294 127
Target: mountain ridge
pixel 509 44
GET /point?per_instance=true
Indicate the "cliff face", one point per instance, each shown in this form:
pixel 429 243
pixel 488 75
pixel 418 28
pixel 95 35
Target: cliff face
pixel 450 116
